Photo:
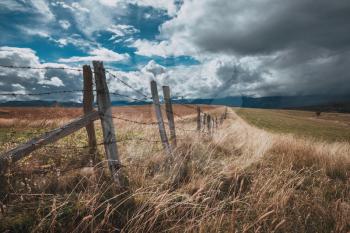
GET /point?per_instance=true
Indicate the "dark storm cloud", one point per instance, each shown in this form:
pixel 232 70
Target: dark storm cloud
pixel 232 75
pixel 235 73
pixel 259 27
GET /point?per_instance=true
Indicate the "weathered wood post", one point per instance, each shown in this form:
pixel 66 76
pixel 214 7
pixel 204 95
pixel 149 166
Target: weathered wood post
pixel 198 118
pixel 204 119
pixel 216 122
pixel 209 123
pixel 159 116
pixel 212 125
pixel 105 111
pixel 225 114
pixel 170 115
pixel 88 106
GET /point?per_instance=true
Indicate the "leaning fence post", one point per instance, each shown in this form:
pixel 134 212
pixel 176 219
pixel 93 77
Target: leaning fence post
pixel 88 101
pixel 198 118
pixel 105 110
pixel 170 114
pixel 159 116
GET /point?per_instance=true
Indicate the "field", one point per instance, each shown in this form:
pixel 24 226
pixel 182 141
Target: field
pixel 243 178
pixel 328 126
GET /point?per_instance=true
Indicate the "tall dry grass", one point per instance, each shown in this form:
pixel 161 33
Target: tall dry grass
pixel 242 179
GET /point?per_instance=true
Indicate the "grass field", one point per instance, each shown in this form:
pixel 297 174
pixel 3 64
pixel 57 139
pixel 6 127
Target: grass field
pixel 240 179
pixel 329 126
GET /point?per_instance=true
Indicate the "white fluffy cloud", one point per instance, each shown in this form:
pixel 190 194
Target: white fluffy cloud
pixel 54 81
pixel 99 54
pixel 121 30
pixel 154 68
pixel 24 81
pixel 164 48
pixel 214 78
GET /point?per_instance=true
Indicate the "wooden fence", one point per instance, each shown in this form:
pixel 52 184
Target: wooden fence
pixel 205 123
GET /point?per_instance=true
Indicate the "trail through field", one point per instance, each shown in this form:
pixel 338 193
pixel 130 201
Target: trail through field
pixel 252 142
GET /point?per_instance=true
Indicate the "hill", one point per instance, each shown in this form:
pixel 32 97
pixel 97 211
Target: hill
pixel 328 103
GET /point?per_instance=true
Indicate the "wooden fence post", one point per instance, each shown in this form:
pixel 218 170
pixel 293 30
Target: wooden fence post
pixel 212 125
pixel 209 123
pixel 159 116
pixel 105 110
pixel 170 114
pixel 88 106
pixel 204 119
pixel 216 122
pixel 198 118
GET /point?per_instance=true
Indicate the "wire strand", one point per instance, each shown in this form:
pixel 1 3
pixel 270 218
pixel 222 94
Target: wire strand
pixel 40 68
pixel 128 85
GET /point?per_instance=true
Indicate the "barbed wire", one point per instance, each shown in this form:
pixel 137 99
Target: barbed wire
pixel 135 122
pixel 146 97
pixel 129 97
pixel 128 85
pixel 64 92
pixel 40 68
pixel 41 93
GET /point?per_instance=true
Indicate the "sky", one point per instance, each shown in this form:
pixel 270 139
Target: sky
pixel 200 48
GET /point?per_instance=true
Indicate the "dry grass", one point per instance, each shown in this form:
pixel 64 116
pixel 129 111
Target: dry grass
pixel 242 179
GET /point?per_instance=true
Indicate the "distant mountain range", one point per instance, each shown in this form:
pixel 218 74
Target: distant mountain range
pixel 338 103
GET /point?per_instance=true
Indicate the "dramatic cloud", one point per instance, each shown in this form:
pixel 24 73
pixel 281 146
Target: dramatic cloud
pixel 259 27
pixel 201 48
pixel 301 46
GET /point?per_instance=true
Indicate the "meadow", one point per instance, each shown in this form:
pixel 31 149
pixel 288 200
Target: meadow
pixel 329 126
pixel 261 171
